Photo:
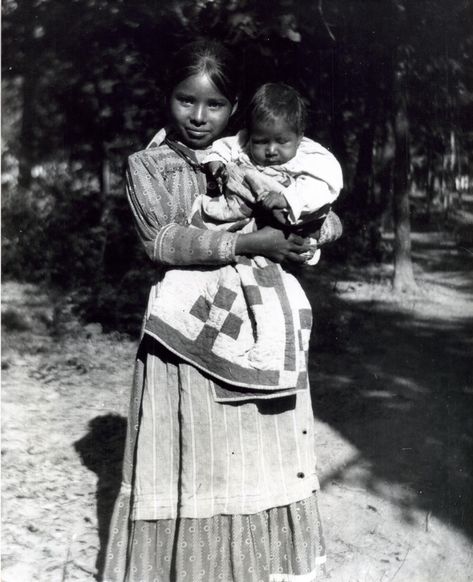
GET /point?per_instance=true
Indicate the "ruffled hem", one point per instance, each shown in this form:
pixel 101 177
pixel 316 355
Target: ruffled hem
pixel 282 544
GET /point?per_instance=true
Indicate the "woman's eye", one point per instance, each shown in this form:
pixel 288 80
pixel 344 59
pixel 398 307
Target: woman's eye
pixel 216 104
pixel 186 100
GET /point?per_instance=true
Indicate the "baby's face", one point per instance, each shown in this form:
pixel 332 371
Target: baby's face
pixel 273 142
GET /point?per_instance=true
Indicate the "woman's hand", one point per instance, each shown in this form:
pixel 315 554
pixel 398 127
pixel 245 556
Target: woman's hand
pixel 273 244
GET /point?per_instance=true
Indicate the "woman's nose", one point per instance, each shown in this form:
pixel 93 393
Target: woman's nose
pixel 199 116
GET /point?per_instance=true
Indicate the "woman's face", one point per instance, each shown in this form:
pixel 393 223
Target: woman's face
pixel 199 112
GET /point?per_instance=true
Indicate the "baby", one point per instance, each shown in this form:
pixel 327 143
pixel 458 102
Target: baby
pixel 272 166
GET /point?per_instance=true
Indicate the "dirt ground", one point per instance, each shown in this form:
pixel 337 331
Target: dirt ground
pixel 392 381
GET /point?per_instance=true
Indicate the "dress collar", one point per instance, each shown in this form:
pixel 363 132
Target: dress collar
pixel 165 135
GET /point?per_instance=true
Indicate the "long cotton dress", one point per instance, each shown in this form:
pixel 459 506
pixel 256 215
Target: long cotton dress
pixel 210 491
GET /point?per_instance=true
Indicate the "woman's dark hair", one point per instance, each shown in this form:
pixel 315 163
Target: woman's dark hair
pixel 210 58
pixel 275 101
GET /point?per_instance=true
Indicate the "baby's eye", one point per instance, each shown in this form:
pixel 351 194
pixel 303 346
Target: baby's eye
pixel 258 141
pixel 283 141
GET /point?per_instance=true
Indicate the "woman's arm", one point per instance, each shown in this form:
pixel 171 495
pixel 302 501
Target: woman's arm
pixel 160 214
pixel 274 244
pixel 160 217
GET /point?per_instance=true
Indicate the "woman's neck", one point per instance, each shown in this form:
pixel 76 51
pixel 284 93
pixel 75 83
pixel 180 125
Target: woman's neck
pixel 172 136
pixel 193 156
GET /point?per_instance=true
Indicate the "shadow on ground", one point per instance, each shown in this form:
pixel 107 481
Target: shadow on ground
pixel 101 451
pixel 395 384
pixel 399 387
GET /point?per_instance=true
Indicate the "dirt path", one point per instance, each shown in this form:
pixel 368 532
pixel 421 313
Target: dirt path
pixel 393 393
pixel 395 424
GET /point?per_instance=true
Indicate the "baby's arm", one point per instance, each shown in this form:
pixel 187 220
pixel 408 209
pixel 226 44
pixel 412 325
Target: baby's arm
pixel 306 196
pixel 317 181
pixel 312 193
pixel 268 193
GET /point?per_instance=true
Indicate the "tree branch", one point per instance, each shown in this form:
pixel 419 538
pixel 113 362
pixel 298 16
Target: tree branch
pixel 322 17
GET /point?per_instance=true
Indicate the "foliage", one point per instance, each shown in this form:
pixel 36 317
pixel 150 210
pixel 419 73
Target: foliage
pixel 84 85
pixel 79 243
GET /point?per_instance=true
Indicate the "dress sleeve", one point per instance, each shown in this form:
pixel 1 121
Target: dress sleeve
pixel 160 218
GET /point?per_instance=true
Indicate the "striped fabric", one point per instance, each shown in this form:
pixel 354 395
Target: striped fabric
pixel 161 187
pixel 190 458
pixel 197 458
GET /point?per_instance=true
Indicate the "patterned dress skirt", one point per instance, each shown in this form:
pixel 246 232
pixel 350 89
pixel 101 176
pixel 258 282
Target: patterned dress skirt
pixel 211 491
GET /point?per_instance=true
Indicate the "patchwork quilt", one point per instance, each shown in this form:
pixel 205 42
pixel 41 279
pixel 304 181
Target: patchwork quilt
pixel 246 325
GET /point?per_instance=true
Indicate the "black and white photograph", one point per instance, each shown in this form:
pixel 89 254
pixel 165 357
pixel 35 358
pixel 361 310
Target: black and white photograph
pixel 237 291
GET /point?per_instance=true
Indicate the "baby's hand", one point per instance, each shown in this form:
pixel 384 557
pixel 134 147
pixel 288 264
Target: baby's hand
pixel 218 170
pixel 276 204
pixel 273 201
pixel 280 215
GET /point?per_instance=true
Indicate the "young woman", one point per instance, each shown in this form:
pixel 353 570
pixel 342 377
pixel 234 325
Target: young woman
pixel 211 491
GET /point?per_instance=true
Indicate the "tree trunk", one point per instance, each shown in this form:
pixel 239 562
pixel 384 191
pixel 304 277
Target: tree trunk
pixel 104 178
pixel 28 93
pixel 337 125
pixel 363 181
pixel 367 214
pixel 403 272
pixel 104 181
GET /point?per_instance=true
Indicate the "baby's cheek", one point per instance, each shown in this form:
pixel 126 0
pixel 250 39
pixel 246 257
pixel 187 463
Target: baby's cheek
pixel 257 155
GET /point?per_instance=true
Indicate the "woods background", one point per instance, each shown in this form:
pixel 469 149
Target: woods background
pixel 389 84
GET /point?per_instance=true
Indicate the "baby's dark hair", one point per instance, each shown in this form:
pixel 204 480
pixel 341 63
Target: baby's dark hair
pixel 277 100
pixel 210 58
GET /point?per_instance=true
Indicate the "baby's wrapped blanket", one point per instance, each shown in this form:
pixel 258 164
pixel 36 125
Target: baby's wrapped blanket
pixel 247 325
pixel 245 187
pixel 234 211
